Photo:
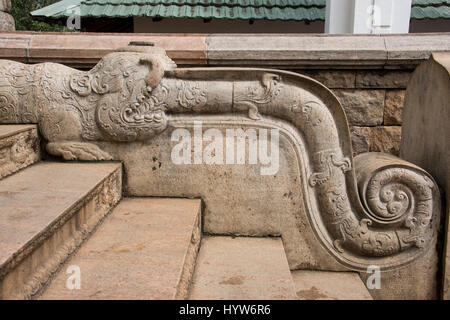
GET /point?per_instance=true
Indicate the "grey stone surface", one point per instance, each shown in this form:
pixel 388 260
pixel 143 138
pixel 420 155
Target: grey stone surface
pixel 393 107
pixel 7 22
pixel 408 47
pixel 47 210
pixel 242 268
pixel 332 79
pixel 19 148
pixel 230 209
pixel 130 105
pixel 140 251
pixel 361 139
pixel 5 5
pixel 325 285
pixel 362 107
pixel 291 50
pixel 416 281
pixel 426 134
pixel 382 79
pixel 386 139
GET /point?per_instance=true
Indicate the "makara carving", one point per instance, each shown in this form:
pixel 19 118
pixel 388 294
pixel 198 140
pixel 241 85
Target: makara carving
pixel 132 94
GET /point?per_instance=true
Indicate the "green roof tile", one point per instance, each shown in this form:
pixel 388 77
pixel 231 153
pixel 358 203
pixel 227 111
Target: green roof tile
pixel 309 10
pixel 430 12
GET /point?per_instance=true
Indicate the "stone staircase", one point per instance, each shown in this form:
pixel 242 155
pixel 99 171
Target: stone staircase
pixel 47 209
pixel 55 216
pixel 242 268
pixel 145 249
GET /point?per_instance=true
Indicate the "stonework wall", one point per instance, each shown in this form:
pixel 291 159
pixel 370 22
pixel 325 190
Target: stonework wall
pixel 6 19
pixel 373 102
pixel 369 74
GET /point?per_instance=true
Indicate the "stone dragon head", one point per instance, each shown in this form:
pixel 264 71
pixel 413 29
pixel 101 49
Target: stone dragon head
pixel 137 111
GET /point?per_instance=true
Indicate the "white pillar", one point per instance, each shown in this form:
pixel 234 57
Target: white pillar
pixel 367 16
pixel 339 16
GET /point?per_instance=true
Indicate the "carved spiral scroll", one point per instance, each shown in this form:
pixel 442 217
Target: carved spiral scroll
pixel 396 194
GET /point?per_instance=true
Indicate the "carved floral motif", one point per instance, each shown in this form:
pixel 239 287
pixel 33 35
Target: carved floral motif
pixel 256 95
pixel 191 95
pixel 329 160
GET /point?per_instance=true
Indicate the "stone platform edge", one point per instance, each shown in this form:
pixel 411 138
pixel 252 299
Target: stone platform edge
pixel 83 50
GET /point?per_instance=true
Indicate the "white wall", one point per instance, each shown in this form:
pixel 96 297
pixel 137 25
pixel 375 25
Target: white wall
pixel 339 16
pixel 367 16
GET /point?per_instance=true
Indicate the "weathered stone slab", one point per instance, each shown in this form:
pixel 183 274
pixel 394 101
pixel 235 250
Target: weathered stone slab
pixel 362 107
pixel 230 268
pixel 232 207
pixel 393 107
pixel 411 46
pixel 86 49
pixel 7 22
pixel 291 50
pixel 5 5
pixel 19 148
pixel 376 139
pixel 47 210
pixel 416 281
pixel 361 139
pixel 324 285
pixel 14 46
pixel 145 249
pixel 426 134
pixel 386 139
pixel 332 79
pixel 382 79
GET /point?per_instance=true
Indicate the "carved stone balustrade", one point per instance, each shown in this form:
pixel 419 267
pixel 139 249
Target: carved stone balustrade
pixel 333 212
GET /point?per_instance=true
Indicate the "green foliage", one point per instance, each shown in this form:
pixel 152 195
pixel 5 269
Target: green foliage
pixel 24 21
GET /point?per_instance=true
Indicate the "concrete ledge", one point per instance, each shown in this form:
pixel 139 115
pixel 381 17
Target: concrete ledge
pixel 296 50
pixel 325 51
pixel 292 51
pixel 83 50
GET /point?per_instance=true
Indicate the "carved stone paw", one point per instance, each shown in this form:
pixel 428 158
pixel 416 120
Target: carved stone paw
pixel 73 150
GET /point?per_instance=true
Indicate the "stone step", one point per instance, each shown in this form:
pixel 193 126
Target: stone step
pixel 46 211
pixel 19 148
pixel 145 249
pixel 327 285
pixel 235 268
